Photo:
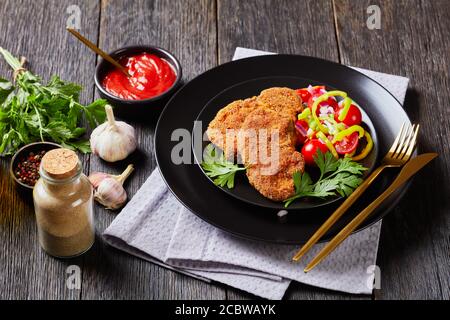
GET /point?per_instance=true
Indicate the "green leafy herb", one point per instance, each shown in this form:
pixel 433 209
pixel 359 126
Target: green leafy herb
pixel 32 111
pixel 216 166
pixel 337 176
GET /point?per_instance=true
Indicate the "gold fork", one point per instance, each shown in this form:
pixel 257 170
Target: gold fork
pixel 398 155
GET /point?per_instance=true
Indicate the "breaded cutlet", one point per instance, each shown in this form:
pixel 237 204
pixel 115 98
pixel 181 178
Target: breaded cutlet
pixel 264 121
pixel 279 185
pixel 230 117
pixel 270 173
pixel 283 100
pixel 257 118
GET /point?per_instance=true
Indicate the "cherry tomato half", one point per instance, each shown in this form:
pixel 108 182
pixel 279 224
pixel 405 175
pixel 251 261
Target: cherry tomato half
pixel 330 102
pixel 301 128
pixel 318 90
pixel 348 144
pixel 304 94
pixel 353 117
pixel 310 148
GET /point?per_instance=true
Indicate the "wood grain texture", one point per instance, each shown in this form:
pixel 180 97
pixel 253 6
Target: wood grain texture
pixel 413 42
pixel 26 271
pixel 188 30
pixel 295 27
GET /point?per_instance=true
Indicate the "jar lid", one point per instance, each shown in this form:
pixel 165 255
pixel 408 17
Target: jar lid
pixel 60 163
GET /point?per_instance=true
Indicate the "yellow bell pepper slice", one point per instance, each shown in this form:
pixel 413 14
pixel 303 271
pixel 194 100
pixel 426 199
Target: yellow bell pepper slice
pixel 344 133
pixel 350 155
pixel 366 150
pixel 347 103
pixel 328 143
pixel 323 98
pixel 337 93
pixel 305 114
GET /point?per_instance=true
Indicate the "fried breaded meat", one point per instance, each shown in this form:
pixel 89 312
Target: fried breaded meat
pixel 264 126
pixel 229 120
pixel 283 100
pixel 277 185
pixel 263 138
pixel 271 158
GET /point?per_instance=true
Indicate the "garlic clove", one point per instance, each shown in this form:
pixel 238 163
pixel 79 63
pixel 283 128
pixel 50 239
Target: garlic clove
pixel 97 177
pixel 111 193
pixel 113 140
pixel 108 188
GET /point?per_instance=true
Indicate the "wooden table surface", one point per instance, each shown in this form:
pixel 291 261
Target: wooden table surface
pixel 413 42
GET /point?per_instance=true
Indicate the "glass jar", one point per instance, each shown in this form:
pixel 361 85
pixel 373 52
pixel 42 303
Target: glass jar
pixel 63 202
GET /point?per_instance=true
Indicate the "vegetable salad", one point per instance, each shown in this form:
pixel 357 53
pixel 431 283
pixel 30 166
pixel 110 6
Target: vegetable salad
pixel 331 121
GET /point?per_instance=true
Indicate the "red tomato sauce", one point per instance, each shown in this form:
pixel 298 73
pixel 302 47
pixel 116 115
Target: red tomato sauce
pixel 150 76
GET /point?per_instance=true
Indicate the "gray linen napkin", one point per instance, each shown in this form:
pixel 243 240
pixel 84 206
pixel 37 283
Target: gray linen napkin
pixel 156 227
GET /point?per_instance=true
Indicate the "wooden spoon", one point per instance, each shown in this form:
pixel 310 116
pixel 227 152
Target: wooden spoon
pixel 99 51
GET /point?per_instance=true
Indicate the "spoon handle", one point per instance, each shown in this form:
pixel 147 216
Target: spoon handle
pixel 97 50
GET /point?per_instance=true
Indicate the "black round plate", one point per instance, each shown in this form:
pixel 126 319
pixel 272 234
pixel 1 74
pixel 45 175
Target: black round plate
pixel 194 190
pixel 243 190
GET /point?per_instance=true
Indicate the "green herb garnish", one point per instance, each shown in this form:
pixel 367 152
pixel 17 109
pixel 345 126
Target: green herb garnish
pixel 32 111
pixel 218 168
pixel 337 176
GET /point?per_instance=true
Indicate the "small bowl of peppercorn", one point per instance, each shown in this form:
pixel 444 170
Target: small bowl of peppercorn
pixel 24 166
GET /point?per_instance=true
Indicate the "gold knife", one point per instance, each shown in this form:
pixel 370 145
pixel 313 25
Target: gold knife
pixel 408 170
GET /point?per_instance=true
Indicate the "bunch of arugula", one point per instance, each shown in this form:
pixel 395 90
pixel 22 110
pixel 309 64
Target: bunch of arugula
pixel 218 168
pixel 337 176
pixel 32 111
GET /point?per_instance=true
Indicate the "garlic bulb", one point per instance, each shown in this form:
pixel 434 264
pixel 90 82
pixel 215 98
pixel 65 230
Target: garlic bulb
pixel 111 194
pixel 108 188
pixel 113 140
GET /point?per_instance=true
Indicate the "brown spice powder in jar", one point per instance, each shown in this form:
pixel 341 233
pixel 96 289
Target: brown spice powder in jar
pixel 63 201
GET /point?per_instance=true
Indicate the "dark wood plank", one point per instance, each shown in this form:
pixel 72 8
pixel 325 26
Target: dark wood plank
pixel 413 42
pixel 37 31
pixel 304 291
pixel 300 291
pixel 188 29
pixel 417 266
pixel 297 27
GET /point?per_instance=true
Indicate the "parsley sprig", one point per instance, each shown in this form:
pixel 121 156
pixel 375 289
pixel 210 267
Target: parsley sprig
pixel 337 176
pixel 33 111
pixel 218 168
